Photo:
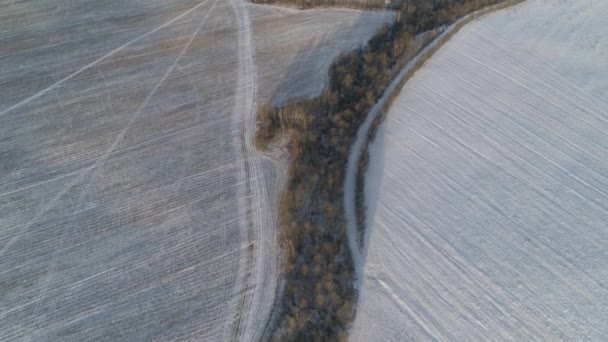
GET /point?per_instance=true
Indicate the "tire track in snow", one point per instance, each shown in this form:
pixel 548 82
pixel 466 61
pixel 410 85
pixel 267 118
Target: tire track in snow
pixel 352 167
pixel 101 160
pixel 258 270
pixel 99 60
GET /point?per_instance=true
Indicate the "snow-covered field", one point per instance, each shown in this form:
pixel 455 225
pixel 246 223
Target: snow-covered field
pixel 132 204
pixel 489 186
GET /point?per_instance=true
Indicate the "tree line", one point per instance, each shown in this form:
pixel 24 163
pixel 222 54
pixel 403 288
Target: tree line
pixel 318 301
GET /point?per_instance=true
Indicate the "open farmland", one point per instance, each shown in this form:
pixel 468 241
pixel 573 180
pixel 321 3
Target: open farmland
pixel 132 204
pixel 488 188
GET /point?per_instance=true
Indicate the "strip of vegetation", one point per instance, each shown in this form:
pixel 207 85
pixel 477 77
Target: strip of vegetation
pixel 318 301
pixel 361 4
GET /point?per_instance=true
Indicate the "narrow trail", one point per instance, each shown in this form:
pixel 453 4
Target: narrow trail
pixel 358 247
pixel 352 167
pixel 500 150
pixel 258 271
pixel 493 187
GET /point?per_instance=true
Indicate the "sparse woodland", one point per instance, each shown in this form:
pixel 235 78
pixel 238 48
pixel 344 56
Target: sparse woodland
pixel 365 4
pixel 318 302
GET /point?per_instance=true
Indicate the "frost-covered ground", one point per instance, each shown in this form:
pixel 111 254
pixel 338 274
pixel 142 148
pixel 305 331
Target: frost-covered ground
pixel 132 205
pixel 489 186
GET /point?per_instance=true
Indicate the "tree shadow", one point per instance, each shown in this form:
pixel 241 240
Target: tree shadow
pixel 304 74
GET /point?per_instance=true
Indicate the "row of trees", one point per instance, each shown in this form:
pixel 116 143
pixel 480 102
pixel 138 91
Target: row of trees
pixel 365 4
pixel 319 297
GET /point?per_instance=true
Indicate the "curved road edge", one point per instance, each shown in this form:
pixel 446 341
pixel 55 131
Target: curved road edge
pixel 258 270
pixel 381 106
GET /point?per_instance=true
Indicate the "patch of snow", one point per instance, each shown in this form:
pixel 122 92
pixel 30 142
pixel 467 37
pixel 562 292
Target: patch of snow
pixel 490 221
pixel 132 203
